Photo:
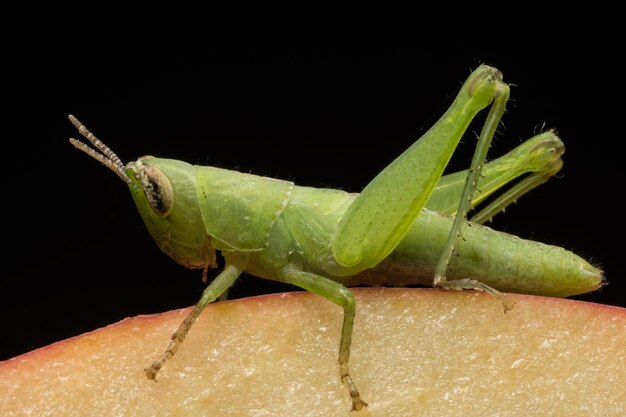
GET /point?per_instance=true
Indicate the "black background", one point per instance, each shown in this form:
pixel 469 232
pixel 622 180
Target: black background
pixel 320 112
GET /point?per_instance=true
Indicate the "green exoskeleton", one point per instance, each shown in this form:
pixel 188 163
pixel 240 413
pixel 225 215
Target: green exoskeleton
pixel 401 229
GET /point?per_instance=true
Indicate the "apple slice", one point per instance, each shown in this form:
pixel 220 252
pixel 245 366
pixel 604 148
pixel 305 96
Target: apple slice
pixel 415 352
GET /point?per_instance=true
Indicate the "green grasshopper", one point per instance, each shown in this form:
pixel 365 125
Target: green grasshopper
pixel 401 229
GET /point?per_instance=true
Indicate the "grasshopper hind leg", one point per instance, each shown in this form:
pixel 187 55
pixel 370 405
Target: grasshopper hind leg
pixel 539 157
pixel 498 106
pixel 532 163
pixel 501 95
pixel 472 284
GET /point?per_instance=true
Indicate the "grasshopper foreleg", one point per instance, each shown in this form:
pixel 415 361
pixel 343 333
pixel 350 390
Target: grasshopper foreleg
pixel 219 285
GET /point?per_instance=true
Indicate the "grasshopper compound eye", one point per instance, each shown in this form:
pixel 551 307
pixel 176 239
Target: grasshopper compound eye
pixel 158 189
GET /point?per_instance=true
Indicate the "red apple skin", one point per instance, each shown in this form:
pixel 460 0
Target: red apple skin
pixel 415 352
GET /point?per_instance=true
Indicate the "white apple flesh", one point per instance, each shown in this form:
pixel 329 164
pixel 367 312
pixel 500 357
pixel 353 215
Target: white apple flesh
pixel 415 352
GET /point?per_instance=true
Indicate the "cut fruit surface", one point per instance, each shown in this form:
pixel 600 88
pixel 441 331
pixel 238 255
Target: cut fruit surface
pixel 415 352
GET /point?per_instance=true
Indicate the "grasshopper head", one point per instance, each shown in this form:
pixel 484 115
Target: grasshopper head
pixel 164 191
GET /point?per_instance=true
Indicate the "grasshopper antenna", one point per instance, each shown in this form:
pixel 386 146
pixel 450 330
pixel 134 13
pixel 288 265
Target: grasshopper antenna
pixel 106 156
